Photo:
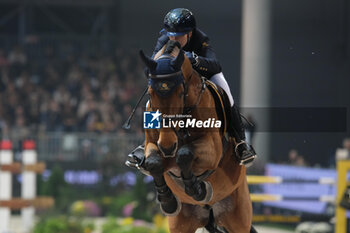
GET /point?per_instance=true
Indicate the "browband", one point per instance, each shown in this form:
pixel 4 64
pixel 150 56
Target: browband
pixel 165 75
pixel 165 56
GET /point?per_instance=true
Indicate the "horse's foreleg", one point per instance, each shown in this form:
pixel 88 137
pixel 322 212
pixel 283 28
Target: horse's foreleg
pixel 169 204
pixel 198 190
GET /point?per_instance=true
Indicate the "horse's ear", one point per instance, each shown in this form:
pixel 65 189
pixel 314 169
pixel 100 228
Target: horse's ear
pixel 149 62
pixel 177 62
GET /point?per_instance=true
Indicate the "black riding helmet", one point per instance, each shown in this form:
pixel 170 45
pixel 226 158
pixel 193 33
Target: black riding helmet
pixel 178 22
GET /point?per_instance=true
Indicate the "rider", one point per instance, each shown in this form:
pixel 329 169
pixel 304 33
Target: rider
pixel 180 25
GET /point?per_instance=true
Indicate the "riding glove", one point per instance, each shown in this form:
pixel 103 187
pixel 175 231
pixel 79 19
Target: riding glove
pixel 193 58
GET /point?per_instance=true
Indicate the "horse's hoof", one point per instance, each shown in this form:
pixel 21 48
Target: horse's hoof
pixel 132 164
pixel 172 208
pixel 200 191
pixel 209 193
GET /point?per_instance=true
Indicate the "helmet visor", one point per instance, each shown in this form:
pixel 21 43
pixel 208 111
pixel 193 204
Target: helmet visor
pixel 168 33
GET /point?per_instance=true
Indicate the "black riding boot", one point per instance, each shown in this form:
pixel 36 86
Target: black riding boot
pixel 245 152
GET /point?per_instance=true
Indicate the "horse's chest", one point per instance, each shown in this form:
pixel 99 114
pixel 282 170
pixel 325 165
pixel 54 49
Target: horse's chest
pixel 177 171
pixel 224 206
pixel 199 212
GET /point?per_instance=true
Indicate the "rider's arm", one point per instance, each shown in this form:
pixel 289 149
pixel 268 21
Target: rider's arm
pixel 206 64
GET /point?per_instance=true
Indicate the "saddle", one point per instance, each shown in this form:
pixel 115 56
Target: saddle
pixel 222 105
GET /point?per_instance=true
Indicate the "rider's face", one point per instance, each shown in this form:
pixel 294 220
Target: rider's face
pixel 181 39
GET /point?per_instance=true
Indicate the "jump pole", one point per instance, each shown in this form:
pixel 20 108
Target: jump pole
pixel 343 166
pixel 6 158
pixel 29 158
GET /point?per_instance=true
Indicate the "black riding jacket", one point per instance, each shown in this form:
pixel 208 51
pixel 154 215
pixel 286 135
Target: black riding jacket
pixel 208 65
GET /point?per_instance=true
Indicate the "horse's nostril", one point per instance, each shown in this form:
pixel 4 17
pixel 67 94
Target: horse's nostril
pixel 170 151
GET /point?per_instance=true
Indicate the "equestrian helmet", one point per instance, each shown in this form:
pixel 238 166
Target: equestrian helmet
pixel 178 22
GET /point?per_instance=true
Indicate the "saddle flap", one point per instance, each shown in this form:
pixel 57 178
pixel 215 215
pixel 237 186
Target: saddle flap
pixel 222 104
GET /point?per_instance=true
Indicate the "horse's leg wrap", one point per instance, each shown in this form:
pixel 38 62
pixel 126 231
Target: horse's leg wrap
pixel 154 164
pixel 199 190
pixel 169 204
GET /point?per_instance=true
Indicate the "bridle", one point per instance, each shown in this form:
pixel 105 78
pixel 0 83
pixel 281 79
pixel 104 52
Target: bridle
pixel 182 133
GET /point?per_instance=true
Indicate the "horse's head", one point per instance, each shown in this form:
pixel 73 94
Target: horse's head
pixel 166 81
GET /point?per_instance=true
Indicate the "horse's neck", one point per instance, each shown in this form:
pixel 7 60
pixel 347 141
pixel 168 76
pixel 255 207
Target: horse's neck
pixel 159 53
pixel 195 86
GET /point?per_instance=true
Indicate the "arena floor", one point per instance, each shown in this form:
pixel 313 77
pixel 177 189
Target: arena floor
pixel 260 229
pixel 15 226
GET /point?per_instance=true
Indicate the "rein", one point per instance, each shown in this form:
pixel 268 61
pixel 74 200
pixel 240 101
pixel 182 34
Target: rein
pixel 184 133
pixel 189 109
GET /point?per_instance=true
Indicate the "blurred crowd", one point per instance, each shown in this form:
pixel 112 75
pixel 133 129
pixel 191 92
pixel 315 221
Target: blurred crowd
pixel 296 159
pixel 77 91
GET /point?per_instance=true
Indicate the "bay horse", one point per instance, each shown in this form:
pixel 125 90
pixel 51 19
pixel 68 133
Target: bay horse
pixel 198 182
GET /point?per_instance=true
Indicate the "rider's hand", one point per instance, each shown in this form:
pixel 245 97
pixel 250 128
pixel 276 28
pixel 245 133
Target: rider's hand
pixel 192 57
